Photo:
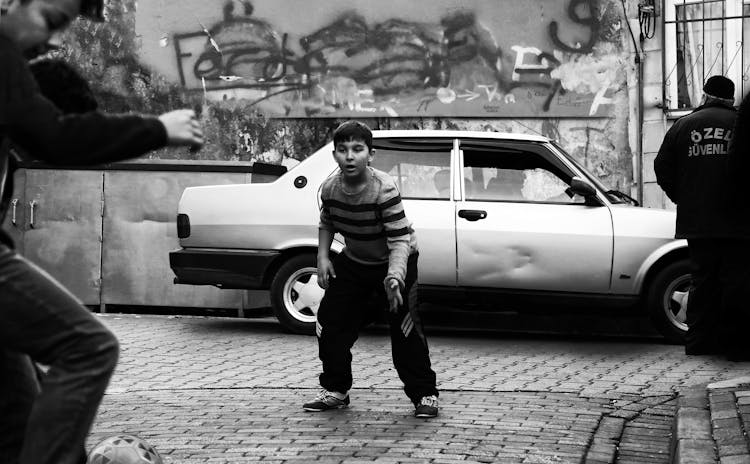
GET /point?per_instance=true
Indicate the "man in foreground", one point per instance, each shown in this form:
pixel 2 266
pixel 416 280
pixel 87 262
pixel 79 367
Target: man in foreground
pixel 39 319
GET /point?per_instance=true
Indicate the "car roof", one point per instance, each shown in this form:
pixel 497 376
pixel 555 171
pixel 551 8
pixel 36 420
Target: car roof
pixel 458 134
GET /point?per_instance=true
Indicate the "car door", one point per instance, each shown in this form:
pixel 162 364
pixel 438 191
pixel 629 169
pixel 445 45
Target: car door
pixel 421 168
pixel 517 228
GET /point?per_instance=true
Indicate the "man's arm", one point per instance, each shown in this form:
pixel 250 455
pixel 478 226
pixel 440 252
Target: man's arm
pixel 83 139
pixel 36 125
pixel 738 160
pixel 665 165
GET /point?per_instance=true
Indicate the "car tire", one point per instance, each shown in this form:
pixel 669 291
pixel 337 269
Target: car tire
pixel 667 300
pixel 295 294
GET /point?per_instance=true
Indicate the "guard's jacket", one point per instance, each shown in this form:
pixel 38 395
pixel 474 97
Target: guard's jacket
pixel 691 168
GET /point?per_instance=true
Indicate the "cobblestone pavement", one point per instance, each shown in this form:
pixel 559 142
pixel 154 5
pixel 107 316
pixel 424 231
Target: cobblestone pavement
pixel 221 390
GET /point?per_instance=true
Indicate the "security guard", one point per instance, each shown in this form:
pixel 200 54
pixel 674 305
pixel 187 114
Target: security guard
pixel 691 167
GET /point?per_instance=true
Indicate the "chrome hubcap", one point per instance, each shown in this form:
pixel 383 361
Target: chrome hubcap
pixel 676 300
pixel 302 295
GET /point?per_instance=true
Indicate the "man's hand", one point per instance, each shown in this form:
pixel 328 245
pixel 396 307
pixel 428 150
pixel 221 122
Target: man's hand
pixel 182 128
pixel 393 293
pixel 325 272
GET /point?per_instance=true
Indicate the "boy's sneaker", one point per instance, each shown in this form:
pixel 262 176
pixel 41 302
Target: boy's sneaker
pixel 427 407
pixel 327 400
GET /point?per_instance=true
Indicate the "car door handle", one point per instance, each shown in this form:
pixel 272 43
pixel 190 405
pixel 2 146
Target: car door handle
pixel 472 214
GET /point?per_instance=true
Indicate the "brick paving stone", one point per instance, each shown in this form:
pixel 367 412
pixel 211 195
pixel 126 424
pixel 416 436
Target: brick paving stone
pixel 229 390
pixel 738 448
pixel 744 459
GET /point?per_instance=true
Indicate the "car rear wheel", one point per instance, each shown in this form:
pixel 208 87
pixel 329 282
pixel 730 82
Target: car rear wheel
pixel 667 300
pixel 295 294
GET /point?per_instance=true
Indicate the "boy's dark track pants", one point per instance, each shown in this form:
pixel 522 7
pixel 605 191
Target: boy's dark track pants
pixel 345 310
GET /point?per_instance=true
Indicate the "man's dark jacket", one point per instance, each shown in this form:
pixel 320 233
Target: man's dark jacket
pixel 739 162
pixel 691 168
pixel 33 123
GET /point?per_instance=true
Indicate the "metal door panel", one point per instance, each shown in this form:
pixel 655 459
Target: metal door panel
pixel 15 217
pixel 139 233
pixel 63 228
pixel 434 223
pixel 421 168
pixel 535 246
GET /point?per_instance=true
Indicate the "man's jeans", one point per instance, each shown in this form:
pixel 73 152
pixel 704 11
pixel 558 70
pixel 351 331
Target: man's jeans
pixel 43 322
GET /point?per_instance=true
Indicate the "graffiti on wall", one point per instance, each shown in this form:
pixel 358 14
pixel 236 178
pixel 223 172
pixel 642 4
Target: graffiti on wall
pixel 352 66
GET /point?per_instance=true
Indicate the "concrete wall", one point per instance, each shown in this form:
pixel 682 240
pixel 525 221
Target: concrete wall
pixel 562 68
pixel 565 69
pixel 655 121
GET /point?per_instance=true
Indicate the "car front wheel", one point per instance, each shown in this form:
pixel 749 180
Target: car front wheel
pixel 668 298
pixel 295 294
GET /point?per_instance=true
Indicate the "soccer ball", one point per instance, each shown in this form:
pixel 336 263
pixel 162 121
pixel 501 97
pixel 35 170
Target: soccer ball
pixel 123 449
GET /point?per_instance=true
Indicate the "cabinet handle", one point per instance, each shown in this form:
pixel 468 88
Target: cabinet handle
pixel 13 203
pixel 32 204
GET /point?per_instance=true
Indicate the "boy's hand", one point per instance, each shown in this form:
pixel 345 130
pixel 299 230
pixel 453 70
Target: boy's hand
pixel 325 272
pixel 182 128
pixel 393 293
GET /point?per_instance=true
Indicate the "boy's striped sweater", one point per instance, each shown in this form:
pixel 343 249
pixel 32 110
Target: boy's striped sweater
pixel 373 222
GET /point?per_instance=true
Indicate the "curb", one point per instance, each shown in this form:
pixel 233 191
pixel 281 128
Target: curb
pixel 711 424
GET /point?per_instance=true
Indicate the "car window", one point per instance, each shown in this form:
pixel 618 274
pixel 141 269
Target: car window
pixel 421 167
pixel 495 172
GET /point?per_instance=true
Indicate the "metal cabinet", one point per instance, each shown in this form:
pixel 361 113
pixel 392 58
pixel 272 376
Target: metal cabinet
pixel 106 234
pixel 140 231
pixel 14 222
pixel 58 226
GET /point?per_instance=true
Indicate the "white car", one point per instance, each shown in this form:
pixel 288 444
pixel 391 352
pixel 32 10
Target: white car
pixel 504 222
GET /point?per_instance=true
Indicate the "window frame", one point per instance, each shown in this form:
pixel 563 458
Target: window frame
pixel 736 59
pixel 539 149
pixel 449 143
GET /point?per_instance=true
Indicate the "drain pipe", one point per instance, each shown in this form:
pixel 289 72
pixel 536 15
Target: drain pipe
pixel 639 78
pixel 639 141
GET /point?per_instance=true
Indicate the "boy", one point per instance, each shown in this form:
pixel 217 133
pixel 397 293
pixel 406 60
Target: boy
pixel 380 257
pixel 38 317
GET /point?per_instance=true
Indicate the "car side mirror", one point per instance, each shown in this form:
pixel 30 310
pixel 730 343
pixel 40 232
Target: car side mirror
pixel 581 187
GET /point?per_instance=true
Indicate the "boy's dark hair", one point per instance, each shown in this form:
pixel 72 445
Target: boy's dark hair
pixel 90 9
pixel 352 130
pixel 61 84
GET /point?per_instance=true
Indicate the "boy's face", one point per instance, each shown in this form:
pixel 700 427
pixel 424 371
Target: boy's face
pixel 35 26
pixel 352 157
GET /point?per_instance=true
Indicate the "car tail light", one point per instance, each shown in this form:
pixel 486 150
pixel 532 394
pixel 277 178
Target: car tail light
pixel 183 226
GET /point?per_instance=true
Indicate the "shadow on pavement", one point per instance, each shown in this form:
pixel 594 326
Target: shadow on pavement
pixel 450 321
pixel 498 327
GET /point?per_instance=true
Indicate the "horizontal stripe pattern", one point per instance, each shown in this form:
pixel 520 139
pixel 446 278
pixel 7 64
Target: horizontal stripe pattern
pixel 397 232
pixel 355 208
pixel 390 203
pixel 394 217
pixel 362 237
pixel 373 222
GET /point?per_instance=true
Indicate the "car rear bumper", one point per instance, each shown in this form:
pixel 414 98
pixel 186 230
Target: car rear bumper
pixel 222 268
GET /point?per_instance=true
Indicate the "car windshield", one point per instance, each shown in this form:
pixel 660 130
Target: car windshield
pixel 613 196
